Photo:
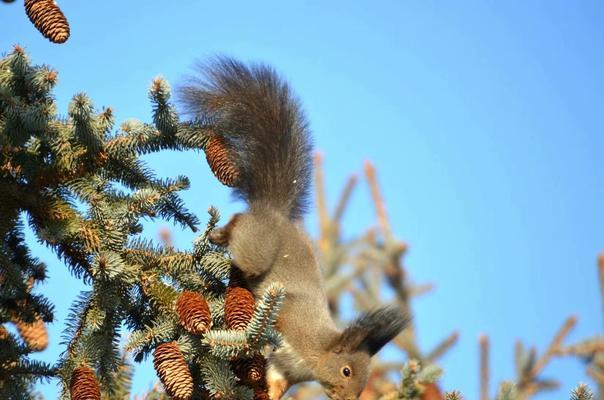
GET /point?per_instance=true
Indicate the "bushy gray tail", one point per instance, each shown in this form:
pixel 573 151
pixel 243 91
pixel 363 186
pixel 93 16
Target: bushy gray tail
pixel 263 126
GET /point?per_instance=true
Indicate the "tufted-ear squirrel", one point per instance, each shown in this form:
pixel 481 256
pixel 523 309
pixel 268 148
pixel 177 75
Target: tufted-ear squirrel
pixel 265 132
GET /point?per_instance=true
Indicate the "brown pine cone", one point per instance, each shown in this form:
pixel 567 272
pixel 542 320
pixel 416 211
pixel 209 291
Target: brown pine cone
pixel 172 370
pixel 220 162
pixel 239 307
pixel 34 335
pixel 193 312
pixel 84 385
pixel 48 18
pixel 251 371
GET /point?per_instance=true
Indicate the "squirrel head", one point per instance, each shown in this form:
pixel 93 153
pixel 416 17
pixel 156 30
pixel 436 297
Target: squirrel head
pixel 343 369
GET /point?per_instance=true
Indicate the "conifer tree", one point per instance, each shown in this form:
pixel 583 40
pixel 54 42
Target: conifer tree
pixel 83 190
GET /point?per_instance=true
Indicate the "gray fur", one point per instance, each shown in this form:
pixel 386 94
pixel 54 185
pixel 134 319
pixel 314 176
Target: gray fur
pixel 254 109
pixel 256 112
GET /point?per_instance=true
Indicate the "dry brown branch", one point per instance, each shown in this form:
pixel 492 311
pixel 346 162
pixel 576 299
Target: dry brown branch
pixel 484 367
pixel 380 208
pixel 440 349
pixel 554 345
pixel 344 198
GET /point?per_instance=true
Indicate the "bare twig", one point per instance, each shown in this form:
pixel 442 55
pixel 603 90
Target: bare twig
pixel 484 367
pixel 378 202
pixel 440 349
pixel 554 346
pixel 344 198
pixel 420 290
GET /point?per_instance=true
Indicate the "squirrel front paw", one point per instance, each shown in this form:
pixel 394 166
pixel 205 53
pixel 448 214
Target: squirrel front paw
pixel 277 388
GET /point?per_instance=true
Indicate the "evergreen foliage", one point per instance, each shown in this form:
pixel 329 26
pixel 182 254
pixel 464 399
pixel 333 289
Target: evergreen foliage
pixel 82 188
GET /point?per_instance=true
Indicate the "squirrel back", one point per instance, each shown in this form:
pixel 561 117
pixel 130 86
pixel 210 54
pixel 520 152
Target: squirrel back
pixel 263 128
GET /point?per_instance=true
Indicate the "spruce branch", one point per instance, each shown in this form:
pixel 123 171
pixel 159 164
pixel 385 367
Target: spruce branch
pixel 228 344
pixel 220 381
pixel 262 323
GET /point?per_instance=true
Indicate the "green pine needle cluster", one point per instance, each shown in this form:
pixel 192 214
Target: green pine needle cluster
pixel 80 184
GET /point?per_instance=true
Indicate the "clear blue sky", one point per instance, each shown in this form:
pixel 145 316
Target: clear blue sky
pixel 483 118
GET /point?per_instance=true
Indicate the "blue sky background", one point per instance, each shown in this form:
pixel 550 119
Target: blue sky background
pixel 483 118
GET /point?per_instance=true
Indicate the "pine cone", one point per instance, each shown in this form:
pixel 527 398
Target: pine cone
pixel 34 335
pixel 219 161
pixel 173 372
pixel 48 18
pixel 83 385
pixel 239 307
pixel 193 312
pixel 251 371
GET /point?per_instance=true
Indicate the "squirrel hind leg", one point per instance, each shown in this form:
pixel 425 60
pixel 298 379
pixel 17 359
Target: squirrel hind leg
pixel 222 236
pixel 219 236
pixel 255 243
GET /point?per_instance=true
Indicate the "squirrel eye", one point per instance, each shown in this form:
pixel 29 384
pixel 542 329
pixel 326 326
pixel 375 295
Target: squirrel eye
pixel 346 371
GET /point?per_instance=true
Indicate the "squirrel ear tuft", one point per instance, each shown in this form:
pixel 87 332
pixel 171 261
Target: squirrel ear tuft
pixel 371 331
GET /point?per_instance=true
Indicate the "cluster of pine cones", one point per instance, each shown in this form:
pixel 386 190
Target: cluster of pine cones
pixel 194 315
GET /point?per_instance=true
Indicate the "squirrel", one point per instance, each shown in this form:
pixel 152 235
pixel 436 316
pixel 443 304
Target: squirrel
pixel 262 126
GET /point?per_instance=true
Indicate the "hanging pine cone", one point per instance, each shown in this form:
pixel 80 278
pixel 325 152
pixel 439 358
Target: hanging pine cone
pixel 83 385
pixel 34 335
pixel 239 307
pixel 172 370
pixel 48 18
pixel 251 371
pixel 193 312
pixel 219 161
